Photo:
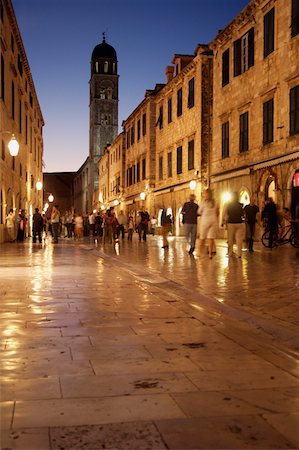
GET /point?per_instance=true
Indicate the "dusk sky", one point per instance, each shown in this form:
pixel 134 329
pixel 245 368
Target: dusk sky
pixel 59 36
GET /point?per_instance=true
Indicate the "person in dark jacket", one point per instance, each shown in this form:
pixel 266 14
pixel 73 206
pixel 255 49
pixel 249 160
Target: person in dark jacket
pixel 233 216
pixel 251 213
pixel 270 218
pixel 37 226
pixel 190 214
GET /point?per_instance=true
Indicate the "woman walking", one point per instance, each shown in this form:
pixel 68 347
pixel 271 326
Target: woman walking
pixel 209 212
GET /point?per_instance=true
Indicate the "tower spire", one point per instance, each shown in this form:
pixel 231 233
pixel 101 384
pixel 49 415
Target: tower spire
pixel 104 36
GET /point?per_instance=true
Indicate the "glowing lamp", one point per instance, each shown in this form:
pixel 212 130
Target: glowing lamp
pixel 116 202
pixel 192 185
pixel 226 196
pixel 51 198
pixel 142 195
pixel 39 185
pixel 13 146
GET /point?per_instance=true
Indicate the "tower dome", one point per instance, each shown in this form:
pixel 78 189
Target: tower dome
pixel 104 51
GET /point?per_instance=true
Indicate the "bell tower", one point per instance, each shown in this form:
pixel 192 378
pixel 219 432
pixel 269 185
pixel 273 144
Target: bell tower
pixel 103 105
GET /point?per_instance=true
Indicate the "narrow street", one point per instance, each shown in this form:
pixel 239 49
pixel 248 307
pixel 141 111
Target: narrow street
pixel 135 347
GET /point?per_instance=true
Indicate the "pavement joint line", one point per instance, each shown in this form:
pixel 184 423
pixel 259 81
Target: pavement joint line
pixel 258 323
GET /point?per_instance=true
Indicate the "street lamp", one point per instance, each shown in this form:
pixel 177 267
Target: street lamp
pixel 192 185
pixel 142 195
pixel 51 198
pixel 39 185
pixel 13 145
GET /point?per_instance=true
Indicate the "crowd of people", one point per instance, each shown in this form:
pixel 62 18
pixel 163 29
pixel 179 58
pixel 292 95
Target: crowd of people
pixel 108 227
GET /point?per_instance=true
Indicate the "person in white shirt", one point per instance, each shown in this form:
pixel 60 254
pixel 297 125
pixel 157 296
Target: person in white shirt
pixel 209 212
pixel 10 226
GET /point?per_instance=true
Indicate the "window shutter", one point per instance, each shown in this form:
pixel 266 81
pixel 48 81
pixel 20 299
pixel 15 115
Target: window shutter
pixel 269 32
pixel 251 47
pixel 295 18
pixel 294 110
pixel 225 67
pixel 237 57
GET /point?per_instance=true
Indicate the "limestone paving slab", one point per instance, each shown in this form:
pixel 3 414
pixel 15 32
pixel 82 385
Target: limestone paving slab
pixel 229 432
pixel 6 414
pixel 286 424
pixel 30 389
pixel 118 351
pixel 132 435
pixel 93 411
pixel 26 439
pixel 128 384
pixel 143 366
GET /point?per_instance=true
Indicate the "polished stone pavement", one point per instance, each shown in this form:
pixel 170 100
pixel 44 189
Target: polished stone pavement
pixel 136 347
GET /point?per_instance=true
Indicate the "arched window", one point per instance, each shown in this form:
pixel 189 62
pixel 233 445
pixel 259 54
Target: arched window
pixel 106 66
pixel 97 67
pixel 1 206
pixel 113 67
pixel 270 189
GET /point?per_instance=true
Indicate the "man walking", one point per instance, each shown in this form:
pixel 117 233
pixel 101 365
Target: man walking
pixel 55 223
pixel 251 213
pixel 233 215
pixel 189 212
pixel 37 227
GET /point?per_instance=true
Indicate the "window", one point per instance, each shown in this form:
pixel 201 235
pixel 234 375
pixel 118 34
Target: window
pixel 169 164
pixel 191 155
pixel 191 93
pixel 1 206
pixel 294 110
pixel 106 66
pixel 179 160
pixel 143 124
pixel 244 53
pixel 14 163
pixel 12 100
pixel 160 118
pixel 128 139
pixel 1 11
pixel 138 172
pixel 138 130
pixel 225 140
pixel 20 65
pixel 132 134
pixel 269 32
pixel 225 67
pixel 243 143
pixel 26 129
pixel 21 170
pixel 161 168
pixel 30 99
pixel 3 150
pixel 179 102
pixel 295 18
pixel 20 116
pixel 169 110
pixel 268 122
pixel 143 169
pixel 2 78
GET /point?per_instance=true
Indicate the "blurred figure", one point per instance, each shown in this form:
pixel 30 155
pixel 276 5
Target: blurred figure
pixel 209 212
pixel 166 223
pixel 270 218
pixel 91 222
pixel 251 213
pixel 98 225
pixel 190 214
pixel 21 223
pixel 233 215
pixel 10 226
pixel 69 223
pixel 143 225
pixel 78 226
pixel 122 222
pixel 130 228
pixel 55 223
pixel 37 226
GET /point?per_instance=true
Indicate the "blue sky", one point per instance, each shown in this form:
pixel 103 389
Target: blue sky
pixel 59 36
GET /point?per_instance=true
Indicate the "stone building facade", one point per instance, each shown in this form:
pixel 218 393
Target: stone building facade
pixel 182 129
pixel 20 115
pixel 112 175
pixel 82 186
pixel 256 105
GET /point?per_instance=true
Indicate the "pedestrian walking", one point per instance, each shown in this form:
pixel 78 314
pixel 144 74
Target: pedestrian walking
pixel 143 225
pixel 251 217
pixel 91 224
pixel 98 225
pixel 233 215
pixel 37 226
pixel 166 222
pixel 79 226
pixel 55 223
pixel 209 212
pixel 68 220
pixel 21 223
pixel 270 218
pixel 130 228
pixel 190 214
pixel 122 222
pixel 10 226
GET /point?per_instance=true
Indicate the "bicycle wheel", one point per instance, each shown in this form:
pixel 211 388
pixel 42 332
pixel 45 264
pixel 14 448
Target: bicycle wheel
pixel 294 240
pixel 265 239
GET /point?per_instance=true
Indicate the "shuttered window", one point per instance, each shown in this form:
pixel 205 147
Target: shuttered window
pixel 225 140
pixel 244 53
pixel 243 141
pixel 269 32
pixel 294 110
pixel 225 67
pixel 268 112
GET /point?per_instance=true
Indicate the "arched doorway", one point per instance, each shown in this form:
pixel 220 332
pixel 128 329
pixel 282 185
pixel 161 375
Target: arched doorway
pixel 270 190
pixel 244 197
pixel 295 195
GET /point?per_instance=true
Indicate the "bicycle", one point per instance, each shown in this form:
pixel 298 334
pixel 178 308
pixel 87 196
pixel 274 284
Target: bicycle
pixel 284 235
